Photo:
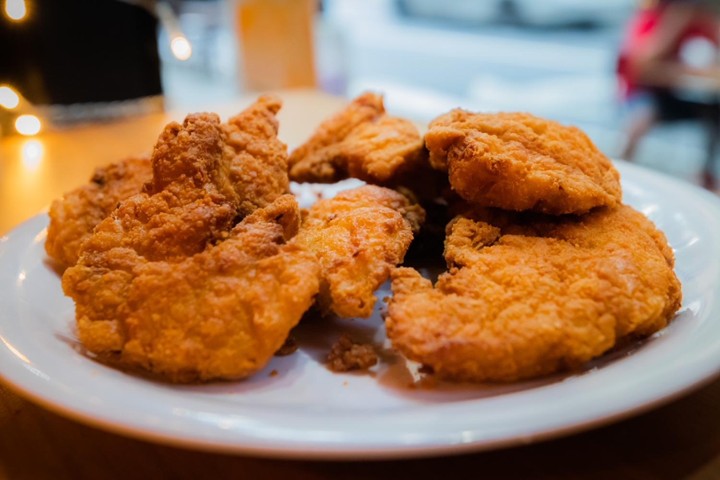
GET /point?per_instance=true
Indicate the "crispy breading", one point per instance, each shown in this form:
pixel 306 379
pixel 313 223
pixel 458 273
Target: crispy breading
pixel 347 355
pixel 169 285
pixel 258 159
pixel 531 295
pixel 251 174
pixel 219 314
pixel 196 265
pixel 358 237
pixel 363 142
pixel 189 203
pixel 377 151
pixel 517 161
pixel 317 159
pixel 73 217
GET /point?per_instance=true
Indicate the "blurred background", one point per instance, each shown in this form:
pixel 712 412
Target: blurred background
pixel 554 58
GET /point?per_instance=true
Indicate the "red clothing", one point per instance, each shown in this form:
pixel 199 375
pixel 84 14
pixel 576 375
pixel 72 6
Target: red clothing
pixel 640 32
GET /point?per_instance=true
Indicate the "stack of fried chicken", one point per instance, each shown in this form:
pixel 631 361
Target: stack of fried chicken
pixel 195 262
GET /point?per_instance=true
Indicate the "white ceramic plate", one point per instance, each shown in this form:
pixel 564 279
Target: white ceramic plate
pixel 302 410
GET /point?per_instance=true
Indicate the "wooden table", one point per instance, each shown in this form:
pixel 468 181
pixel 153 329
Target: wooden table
pixel 679 440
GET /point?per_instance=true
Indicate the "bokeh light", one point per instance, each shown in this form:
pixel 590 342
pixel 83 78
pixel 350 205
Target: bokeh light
pixel 181 48
pixel 8 97
pixel 15 9
pixel 32 154
pixel 28 125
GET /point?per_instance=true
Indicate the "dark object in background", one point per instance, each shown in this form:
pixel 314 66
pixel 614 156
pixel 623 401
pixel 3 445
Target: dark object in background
pixel 81 51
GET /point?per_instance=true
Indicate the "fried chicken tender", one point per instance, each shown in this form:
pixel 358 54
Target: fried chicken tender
pixel 258 159
pixel 379 152
pixel 73 217
pixel 361 141
pixel 317 159
pixel 517 161
pixel 166 281
pixel 219 314
pixel 531 295
pixel 189 203
pixel 358 237
pixel 255 164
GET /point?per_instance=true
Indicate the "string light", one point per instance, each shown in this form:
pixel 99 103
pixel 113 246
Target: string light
pixel 8 98
pixel 28 125
pixel 15 9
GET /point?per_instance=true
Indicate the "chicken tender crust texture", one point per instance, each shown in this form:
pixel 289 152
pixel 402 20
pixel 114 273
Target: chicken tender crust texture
pixel 361 141
pixel 529 297
pixel 168 282
pixel 517 161
pixel 317 160
pixel 219 314
pixel 73 217
pixel 358 237
pixel 195 262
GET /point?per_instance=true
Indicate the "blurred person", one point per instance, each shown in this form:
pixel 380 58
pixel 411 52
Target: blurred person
pixel 653 74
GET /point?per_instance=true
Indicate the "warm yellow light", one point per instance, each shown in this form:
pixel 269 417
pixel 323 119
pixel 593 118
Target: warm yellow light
pixel 32 154
pixel 15 9
pixel 8 98
pixel 27 125
pixel 181 48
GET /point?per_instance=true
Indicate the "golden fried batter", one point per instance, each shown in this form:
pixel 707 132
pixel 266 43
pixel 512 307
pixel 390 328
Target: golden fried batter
pixel 346 355
pixel 169 284
pixel 517 161
pixel 73 217
pixel 358 236
pixel 219 314
pixel 189 203
pixel 253 175
pixel 315 160
pixel 258 160
pixel 531 295
pixel 363 142
pixel 195 265
pixel 378 152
